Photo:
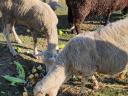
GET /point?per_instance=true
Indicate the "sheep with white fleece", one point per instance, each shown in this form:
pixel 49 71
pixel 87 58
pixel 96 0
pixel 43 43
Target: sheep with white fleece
pixel 34 14
pixel 104 50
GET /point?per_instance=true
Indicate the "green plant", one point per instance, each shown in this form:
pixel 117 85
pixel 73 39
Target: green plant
pixel 13 80
pixel 60 32
pixel 20 79
pixel 20 70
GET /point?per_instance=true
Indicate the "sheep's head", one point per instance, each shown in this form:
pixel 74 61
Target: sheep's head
pixel 47 58
pixel 54 5
pixel 50 84
pixel 45 90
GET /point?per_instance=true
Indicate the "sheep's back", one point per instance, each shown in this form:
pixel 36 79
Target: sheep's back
pixel 103 7
pixel 112 47
pixel 80 53
pixel 34 13
pixel 98 7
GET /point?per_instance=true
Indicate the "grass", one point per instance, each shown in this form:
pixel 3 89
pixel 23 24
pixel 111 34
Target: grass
pixel 69 89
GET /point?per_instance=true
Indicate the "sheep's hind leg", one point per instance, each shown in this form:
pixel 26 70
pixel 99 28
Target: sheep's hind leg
pixel 83 90
pixel 34 35
pixel 6 32
pixel 95 83
pixel 15 35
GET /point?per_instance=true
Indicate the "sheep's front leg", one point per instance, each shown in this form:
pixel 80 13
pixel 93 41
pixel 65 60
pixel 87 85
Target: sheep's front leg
pixel 79 16
pixel 6 32
pixel 107 18
pixel 70 19
pixel 70 16
pixel 15 35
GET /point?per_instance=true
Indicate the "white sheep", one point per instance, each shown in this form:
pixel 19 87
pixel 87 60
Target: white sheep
pixel 35 15
pixel 104 50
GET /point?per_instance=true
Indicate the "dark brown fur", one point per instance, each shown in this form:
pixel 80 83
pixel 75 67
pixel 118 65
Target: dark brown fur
pixel 78 10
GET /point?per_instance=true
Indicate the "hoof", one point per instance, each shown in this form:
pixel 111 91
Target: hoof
pixel 73 31
pixel 99 86
pixel 35 57
pixel 19 42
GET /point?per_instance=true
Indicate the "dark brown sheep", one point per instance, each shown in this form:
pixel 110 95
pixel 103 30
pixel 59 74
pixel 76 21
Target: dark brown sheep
pixel 78 10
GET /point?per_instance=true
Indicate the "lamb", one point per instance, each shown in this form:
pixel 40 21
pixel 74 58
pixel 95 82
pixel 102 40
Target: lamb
pixel 78 10
pixel 35 15
pixel 104 50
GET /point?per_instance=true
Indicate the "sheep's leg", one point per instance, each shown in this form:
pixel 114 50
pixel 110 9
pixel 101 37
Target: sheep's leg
pixel 70 19
pixel 34 35
pixel 95 82
pixel 77 28
pixel 6 31
pixel 83 90
pixel 70 16
pixel 107 18
pixel 79 16
pixel 76 22
pixel 15 35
